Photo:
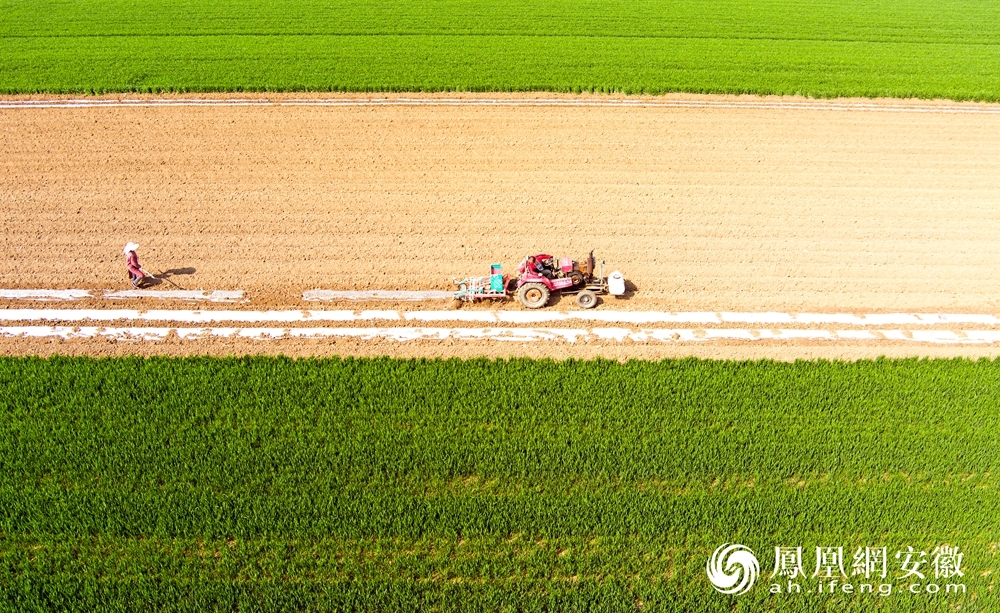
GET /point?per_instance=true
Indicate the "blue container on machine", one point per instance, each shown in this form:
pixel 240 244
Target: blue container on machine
pixel 496 278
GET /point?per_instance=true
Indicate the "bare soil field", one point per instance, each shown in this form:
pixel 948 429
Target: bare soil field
pixel 769 208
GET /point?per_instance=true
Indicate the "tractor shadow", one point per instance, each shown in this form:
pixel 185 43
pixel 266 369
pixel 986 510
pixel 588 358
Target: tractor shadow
pixel 557 298
pixel 630 290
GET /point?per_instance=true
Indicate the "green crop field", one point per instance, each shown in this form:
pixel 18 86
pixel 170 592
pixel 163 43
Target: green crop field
pixel 900 48
pixel 387 485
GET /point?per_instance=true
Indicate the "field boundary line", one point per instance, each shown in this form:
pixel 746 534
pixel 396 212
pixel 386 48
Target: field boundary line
pixel 319 295
pixel 803 105
pixel 51 295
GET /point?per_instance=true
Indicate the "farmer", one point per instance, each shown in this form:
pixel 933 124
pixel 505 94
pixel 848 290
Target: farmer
pixel 135 271
pixel 537 267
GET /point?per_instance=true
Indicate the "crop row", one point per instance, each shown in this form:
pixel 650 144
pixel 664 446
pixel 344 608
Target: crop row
pixel 273 484
pixel 832 48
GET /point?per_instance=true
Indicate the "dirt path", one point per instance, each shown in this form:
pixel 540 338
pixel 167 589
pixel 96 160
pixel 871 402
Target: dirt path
pixel 707 206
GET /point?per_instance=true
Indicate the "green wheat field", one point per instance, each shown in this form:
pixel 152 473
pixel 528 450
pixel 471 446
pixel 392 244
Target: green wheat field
pixel 271 484
pixel 822 48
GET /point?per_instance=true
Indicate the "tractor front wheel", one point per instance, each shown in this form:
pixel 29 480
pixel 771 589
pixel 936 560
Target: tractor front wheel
pixel 533 295
pixel 586 299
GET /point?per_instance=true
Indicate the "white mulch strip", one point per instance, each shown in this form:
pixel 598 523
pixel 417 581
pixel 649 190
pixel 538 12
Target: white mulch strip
pixel 403 334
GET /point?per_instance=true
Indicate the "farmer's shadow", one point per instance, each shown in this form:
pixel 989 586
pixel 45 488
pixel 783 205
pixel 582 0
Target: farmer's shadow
pixel 165 276
pixel 173 272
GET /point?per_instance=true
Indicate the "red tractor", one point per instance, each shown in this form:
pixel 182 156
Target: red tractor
pixel 543 274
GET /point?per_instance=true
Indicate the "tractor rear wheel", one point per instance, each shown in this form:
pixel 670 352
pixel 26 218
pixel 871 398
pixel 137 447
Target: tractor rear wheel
pixel 586 299
pixel 533 295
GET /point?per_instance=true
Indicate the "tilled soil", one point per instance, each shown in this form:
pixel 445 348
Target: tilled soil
pixel 750 209
pixel 498 349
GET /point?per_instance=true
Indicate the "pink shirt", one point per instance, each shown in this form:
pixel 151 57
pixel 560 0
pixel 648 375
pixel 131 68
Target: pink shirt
pixel 132 261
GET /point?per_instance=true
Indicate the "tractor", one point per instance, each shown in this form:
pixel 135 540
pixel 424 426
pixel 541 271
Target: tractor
pixel 542 274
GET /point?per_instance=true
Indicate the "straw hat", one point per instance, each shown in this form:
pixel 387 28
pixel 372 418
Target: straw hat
pixel 130 247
